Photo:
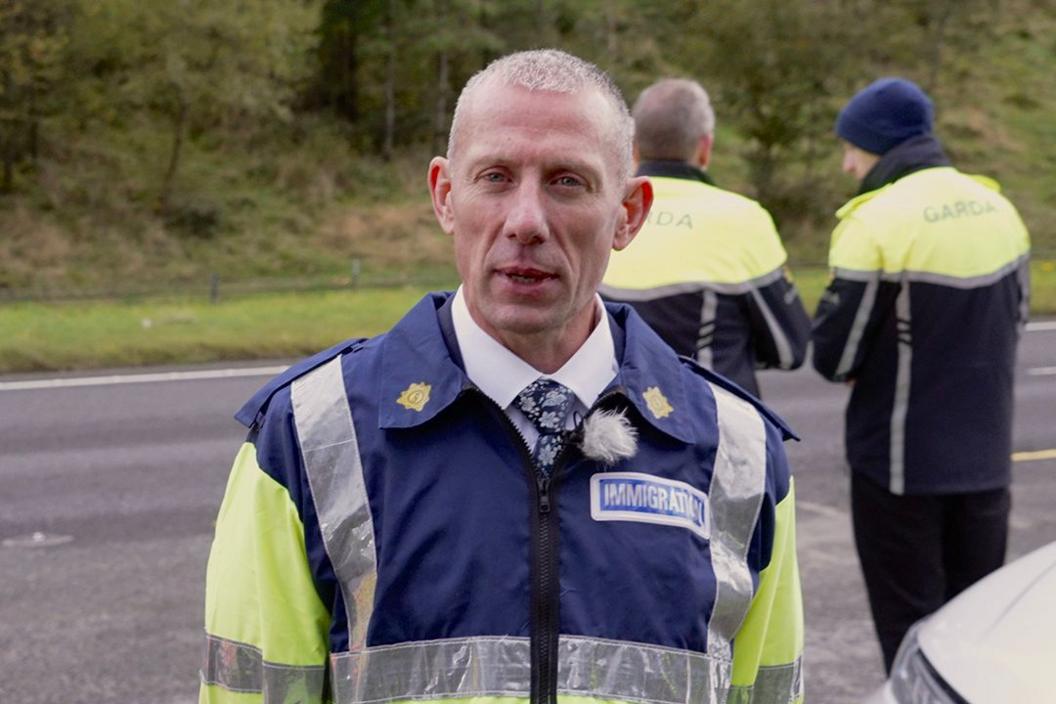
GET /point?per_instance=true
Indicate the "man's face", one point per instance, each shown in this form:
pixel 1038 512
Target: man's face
pixel 533 200
pixel 857 162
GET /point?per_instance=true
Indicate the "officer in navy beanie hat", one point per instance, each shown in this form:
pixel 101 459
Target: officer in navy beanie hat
pixel 884 114
pixel 930 346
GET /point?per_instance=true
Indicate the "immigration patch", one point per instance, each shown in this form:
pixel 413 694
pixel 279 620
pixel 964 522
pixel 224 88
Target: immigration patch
pixel 644 498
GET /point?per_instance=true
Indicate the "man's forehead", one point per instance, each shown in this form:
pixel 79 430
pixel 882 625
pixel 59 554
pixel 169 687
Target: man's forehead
pixel 498 112
pixel 495 100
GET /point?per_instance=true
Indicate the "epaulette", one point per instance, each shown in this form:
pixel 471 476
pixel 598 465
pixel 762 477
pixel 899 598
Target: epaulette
pixel 990 183
pixel 252 413
pixel 719 380
pixel 859 200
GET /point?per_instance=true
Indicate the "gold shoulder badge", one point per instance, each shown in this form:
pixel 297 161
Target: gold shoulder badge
pixel 415 396
pixel 657 402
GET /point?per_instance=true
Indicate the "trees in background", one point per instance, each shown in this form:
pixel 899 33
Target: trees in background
pixel 201 71
pixel 33 36
pixel 778 69
pixel 198 66
pixel 193 67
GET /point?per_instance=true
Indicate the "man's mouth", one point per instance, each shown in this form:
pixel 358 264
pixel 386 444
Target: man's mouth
pixel 526 275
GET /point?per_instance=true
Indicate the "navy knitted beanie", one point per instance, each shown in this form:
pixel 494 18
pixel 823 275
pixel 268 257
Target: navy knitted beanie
pixel 884 114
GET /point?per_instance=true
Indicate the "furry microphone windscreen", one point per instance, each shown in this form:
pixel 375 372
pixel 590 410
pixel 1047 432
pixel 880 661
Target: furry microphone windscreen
pixel 608 437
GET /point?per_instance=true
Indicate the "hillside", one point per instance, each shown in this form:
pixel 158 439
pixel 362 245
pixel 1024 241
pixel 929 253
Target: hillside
pixel 276 184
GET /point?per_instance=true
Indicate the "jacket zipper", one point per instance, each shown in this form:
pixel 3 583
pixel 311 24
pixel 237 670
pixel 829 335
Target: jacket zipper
pixel 545 567
pixel 545 591
pixel 546 586
pixel 544 570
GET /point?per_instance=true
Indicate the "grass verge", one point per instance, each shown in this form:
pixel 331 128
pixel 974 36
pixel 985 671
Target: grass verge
pixel 61 336
pixel 85 335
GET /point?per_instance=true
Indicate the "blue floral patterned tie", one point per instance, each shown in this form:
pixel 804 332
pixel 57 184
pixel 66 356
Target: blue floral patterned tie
pixel 546 403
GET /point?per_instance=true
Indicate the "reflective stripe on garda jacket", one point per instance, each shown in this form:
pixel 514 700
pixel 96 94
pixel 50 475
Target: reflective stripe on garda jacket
pixel 427 533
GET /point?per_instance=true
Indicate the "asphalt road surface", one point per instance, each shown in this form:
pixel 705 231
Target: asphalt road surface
pixel 109 486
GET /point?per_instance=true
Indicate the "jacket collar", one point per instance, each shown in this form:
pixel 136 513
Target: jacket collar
pixel 422 371
pixel 914 154
pixel 650 374
pixel 672 168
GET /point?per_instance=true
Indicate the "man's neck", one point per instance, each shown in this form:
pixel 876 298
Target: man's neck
pixel 673 169
pixel 501 374
pixel 549 350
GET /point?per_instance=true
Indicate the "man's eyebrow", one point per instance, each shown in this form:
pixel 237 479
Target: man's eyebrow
pixel 575 165
pixel 486 161
pixel 563 163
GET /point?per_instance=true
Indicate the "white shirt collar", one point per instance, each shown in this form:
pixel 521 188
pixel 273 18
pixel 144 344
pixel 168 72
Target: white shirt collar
pixel 501 374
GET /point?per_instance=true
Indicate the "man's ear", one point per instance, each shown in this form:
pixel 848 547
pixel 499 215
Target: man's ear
pixel 440 191
pixel 636 205
pixel 704 146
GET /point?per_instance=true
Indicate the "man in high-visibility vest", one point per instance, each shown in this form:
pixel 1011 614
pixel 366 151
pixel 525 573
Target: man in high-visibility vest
pixel 923 315
pixel 707 271
pixel 518 493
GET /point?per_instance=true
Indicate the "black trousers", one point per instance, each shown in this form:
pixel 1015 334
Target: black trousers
pixel 918 552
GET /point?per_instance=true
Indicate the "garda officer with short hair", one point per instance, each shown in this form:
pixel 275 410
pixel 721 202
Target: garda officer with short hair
pixel 923 316
pixel 517 493
pixel 707 271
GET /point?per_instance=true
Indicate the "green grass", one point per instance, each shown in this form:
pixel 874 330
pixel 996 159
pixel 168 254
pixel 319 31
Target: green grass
pixel 59 336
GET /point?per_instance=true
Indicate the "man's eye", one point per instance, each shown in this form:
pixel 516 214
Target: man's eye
pixel 568 181
pixel 494 177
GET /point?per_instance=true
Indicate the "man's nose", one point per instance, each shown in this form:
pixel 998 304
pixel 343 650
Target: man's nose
pixel 526 218
pixel 848 163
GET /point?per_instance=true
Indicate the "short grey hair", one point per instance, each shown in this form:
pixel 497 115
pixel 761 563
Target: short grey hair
pixel 553 71
pixel 670 117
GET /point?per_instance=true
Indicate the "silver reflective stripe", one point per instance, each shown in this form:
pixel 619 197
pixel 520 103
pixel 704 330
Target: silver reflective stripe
pixel 904 334
pixel 607 669
pixel 293 685
pixel 768 278
pixel 335 475
pixel 862 275
pixel 784 348
pixel 232 665
pixel 649 294
pixel 861 318
pixel 780 684
pixel 735 497
pixel 462 667
pixel 929 277
pixel 238 667
pixel 706 335
pixel 497 666
pixel 1023 277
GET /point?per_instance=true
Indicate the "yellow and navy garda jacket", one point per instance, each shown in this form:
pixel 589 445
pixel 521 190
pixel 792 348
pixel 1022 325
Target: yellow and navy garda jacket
pixel 707 272
pixel 384 537
pixel 924 311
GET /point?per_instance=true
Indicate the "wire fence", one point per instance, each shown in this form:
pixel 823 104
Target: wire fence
pixel 216 288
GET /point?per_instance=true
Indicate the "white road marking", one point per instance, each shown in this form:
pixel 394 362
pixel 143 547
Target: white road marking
pixel 1034 456
pixel 151 378
pixel 821 509
pixel 112 380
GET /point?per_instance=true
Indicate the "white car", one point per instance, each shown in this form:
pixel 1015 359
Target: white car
pixel 993 644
